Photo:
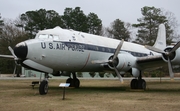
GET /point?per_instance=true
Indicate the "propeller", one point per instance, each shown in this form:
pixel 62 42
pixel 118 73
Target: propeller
pixel 113 60
pixel 12 52
pixel 15 59
pixel 14 72
pixel 168 54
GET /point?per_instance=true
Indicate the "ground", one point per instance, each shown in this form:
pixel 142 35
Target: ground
pixel 93 95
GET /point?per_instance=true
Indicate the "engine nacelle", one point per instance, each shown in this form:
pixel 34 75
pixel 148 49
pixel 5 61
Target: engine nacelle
pixel 123 62
pixel 174 56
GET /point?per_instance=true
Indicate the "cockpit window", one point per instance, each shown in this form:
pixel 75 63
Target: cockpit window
pixel 48 36
pixel 43 36
pixel 56 37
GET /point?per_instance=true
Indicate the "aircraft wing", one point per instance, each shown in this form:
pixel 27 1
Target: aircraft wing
pixel 7 56
pixel 151 62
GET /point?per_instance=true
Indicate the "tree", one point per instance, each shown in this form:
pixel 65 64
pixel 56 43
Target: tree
pixel 40 20
pixel 11 35
pixel 92 74
pixel 117 30
pixel 94 24
pixel 101 74
pixel 148 25
pixel 172 21
pixel 77 20
pixel 79 74
pixel 1 24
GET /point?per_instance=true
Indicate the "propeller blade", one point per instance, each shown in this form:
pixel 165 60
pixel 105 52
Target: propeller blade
pixel 118 74
pixel 14 72
pixel 99 61
pixel 171 74
pixel 12 52
pixel 154 49
pixel 118 49
pixel 175 47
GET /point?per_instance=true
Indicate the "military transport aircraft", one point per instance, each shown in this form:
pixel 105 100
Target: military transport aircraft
pixel 60 51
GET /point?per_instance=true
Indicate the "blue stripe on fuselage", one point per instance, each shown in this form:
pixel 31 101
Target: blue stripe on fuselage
pixel 82 46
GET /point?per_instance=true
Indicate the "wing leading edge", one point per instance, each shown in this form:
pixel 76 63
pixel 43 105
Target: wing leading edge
pixel 150 62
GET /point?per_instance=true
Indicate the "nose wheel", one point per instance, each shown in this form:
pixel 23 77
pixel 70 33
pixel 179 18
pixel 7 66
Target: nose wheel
pixel 43 87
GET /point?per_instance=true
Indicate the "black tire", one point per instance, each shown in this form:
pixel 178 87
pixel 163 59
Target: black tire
pixel 70 81
pixel 73 82
pixel 142 84
pixel 134 84
pixel 43 88
pixel 76 83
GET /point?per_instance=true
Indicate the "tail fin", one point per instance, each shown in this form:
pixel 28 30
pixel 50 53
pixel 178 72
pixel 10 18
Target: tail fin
pixel 161 38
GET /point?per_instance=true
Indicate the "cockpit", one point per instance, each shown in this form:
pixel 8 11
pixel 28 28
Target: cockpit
pixel 47 36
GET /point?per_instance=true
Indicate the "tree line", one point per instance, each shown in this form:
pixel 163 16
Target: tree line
pixel 29 23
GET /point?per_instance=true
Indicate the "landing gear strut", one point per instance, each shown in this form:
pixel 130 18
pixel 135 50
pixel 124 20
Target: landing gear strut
pixel 43 87
pixel 138 83
pixel 74 82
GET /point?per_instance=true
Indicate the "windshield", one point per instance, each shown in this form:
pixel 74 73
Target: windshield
pixel 43 36
pixel 48 36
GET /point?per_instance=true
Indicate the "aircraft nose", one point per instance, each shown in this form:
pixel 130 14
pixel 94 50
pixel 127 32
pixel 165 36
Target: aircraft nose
pixel 20 50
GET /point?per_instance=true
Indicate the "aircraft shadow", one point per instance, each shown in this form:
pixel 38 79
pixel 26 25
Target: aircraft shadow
pixel 116 89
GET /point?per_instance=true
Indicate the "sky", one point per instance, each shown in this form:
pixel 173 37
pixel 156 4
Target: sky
pixel 107 10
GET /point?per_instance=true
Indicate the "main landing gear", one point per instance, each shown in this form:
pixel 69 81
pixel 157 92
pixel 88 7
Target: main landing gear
pixel 74 82
pixel 138 83
pixel 43 87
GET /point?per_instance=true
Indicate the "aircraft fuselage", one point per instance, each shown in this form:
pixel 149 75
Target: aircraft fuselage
pixel 69 50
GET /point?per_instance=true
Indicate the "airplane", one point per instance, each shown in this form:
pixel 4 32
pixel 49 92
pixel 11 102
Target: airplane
pixel 64 52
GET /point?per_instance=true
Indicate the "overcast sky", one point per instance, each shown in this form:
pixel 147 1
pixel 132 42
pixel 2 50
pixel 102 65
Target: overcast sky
pixel 107 10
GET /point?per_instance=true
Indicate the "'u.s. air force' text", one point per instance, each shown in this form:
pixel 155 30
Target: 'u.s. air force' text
pixel 62 46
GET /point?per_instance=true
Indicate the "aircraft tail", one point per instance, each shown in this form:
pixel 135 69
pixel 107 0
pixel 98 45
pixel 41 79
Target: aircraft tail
pixel 161 38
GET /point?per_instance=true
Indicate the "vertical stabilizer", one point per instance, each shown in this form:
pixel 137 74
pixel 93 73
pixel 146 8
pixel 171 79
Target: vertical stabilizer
pixel 161 38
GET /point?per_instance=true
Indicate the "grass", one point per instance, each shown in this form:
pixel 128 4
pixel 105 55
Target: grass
pixel 93 95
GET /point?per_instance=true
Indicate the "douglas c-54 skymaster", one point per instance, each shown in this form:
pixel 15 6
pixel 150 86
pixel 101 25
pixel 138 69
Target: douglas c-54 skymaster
pixel 60 51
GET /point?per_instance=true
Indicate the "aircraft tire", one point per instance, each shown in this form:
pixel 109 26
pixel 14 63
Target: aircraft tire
pixel 43 88
pixel 134 84
pixel 73 82
pixel 70 81
pixel 76 83
pixel 142 84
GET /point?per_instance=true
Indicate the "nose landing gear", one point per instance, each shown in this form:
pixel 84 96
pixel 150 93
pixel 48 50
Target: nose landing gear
pixel 43 87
